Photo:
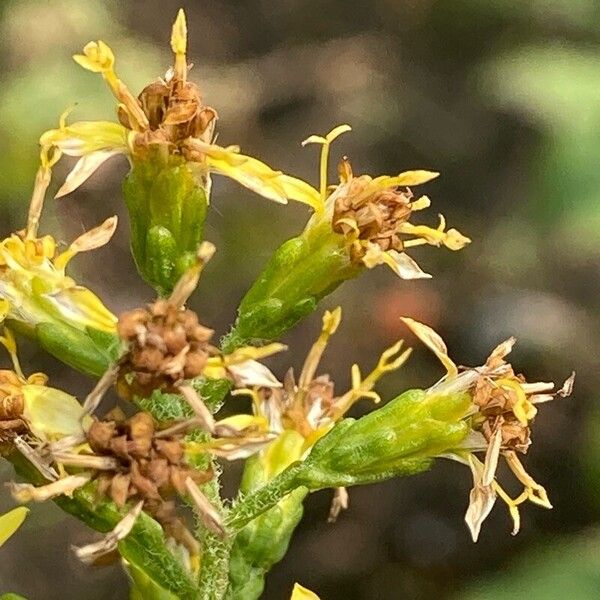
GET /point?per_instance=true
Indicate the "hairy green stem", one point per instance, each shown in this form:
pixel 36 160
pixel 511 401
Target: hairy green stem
pixel 269 495
pixel 144 547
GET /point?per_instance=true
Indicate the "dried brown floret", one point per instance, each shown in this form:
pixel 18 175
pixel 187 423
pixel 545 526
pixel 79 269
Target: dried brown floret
pixel 166 344
pixel 149 468
pixel 175 112
pixel 373 217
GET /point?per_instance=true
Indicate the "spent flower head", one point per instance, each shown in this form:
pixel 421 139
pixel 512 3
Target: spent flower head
pixel 166 344
pixel 373 213
pixel 169 117
pixel 503 406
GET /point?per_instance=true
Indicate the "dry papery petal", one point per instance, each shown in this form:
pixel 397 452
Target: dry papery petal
pixel 206 511
pixel 252 373
pixel 34 457
pixel 25 492
pixel 90 553
pixel 241 447
pixel 105 382
pixel 481 500
pixel 340 502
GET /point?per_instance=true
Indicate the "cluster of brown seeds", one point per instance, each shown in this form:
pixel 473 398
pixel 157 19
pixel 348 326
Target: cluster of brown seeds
pixel 175 112
pixel 166 344
pixel 144 464
pixel 376 216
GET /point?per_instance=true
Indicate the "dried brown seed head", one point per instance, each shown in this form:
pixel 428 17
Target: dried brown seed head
pixel 166 344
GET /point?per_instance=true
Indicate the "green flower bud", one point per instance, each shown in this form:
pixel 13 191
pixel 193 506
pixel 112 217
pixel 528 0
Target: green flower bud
pixel 399 439
pixel 167 206
pixel 301 272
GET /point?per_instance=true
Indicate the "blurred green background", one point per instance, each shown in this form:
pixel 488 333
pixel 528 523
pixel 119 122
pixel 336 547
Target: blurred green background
pixel 503 98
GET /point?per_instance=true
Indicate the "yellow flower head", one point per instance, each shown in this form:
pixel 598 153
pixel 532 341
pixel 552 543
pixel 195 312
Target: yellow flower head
pixel 502 409
pixel 373 213
pixel 33 283
pixel 168 115
pixel 34 286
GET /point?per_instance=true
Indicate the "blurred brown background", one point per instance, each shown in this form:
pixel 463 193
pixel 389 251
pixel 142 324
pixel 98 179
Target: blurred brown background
pixel 503 98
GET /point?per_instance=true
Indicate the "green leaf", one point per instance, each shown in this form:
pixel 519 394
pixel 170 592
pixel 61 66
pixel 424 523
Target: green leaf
pixel 144 588
pixel 73 347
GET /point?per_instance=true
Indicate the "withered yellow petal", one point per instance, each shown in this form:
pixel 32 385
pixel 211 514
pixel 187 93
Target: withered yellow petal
pixel 434 342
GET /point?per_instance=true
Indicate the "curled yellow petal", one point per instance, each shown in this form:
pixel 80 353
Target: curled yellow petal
pixel 97 57
pixel 253 174
pixel 407 178
pixel 400 262
pixel 82 307
pixel 90 240
pixel 434 342
pixel 84 137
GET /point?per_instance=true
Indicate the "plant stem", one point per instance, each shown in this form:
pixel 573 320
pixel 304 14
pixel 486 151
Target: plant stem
pixel 214 570
pixel 256 504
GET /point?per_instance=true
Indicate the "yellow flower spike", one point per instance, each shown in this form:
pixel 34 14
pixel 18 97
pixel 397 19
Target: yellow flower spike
pixel 11 521
pixel 179 45
pixel 331 321
pixel 434 342
pixel 324 161
pixel 301 593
